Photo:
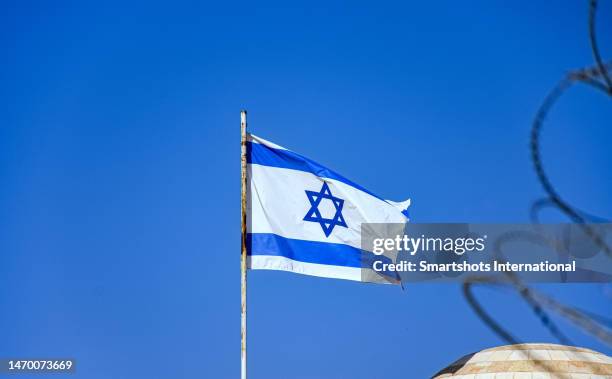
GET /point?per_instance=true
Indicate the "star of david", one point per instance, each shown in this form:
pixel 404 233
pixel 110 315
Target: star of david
pixel 314 215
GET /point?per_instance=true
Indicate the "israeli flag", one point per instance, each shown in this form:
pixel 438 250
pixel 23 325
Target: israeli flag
pixel 305 218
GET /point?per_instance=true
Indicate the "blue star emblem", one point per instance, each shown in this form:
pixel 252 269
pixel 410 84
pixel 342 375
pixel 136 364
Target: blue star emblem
pixel 314 215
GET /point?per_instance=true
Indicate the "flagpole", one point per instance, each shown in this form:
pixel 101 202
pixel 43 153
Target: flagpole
pixel 243 256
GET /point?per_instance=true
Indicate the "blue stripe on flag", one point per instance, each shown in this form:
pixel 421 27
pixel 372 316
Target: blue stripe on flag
pixel 267 156
pixel 304 251
pixel 324 253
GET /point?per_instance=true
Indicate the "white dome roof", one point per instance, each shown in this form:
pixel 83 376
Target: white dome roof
pixel 531 361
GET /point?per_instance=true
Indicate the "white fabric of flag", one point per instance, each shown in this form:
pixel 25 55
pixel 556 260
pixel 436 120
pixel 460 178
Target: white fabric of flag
pixel 305 218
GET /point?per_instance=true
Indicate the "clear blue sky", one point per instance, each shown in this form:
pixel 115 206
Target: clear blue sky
pixel 119 173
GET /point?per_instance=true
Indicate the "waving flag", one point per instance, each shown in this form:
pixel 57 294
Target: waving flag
pixel 305 218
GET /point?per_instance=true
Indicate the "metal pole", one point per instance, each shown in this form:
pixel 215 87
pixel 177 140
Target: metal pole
pixel 243 256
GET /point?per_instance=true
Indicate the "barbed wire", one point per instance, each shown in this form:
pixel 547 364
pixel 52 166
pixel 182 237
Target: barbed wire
pixel 591 322
pixel 588 76
pixel 594 46
pixel 597 77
